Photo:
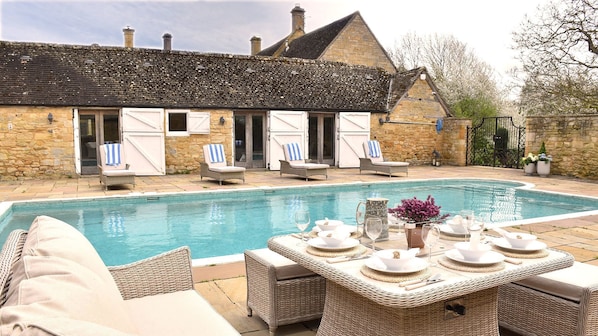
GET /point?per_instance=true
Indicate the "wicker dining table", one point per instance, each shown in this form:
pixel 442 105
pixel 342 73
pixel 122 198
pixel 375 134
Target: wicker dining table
pixel 360 301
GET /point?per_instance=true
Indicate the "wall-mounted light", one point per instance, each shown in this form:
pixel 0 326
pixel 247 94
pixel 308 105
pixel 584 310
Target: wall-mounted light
pixel 381 121
pixel 222 120
pixel 50 117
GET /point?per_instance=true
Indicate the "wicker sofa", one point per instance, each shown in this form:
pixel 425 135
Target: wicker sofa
pixel 54 283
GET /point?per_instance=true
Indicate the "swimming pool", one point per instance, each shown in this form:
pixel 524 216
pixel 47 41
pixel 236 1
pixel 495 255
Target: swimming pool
pixel 224 223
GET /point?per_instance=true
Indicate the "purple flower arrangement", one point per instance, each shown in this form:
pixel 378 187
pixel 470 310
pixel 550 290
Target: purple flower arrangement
pixel 418 211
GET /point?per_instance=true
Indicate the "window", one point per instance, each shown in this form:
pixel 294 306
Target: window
pixel 183 123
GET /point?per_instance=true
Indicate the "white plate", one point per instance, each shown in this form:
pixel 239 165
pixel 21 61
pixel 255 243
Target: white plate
pixel 533 246
pixel 445 228
pixel 349 228
pixel 416 265
pixel 488 258
pixel 320 244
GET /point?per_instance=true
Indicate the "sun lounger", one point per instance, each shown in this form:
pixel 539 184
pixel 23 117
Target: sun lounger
pixel 215 165
pixel 374 160
pixel 113 168
pixel 294 163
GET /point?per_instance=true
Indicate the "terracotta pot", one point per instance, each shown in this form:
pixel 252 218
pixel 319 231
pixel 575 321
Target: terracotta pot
pixel 413 233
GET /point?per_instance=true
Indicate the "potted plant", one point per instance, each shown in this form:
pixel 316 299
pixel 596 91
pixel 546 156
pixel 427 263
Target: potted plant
pixel 543 164
pixel 415 213
pixel 529 163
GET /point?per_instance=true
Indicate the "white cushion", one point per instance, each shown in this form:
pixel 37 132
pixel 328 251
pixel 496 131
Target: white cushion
pixel 61 274
pixel 285 268
pixel 391 163
pixel 122 172
pixel 181 313
pixel 60 326
pixel 227 169
pixel 568 283
pixel 309 165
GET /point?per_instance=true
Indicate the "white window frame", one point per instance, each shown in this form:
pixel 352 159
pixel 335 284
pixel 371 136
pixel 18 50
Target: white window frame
pixel 191 116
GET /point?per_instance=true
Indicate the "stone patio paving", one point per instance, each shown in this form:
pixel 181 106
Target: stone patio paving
pixel 224 285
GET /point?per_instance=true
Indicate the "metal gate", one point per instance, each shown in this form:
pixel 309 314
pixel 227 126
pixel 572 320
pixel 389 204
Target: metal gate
pixel 495 142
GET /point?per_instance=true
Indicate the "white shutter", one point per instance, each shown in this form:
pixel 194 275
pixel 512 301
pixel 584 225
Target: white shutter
pixel 354 129
pixel 143 140
pixel 285 127
pixel 198 123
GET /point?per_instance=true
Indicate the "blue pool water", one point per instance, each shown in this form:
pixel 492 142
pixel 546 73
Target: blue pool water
pixel 125 229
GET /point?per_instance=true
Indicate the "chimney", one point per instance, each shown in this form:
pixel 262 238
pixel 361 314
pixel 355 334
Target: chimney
pixel 256 45
pixel 167 41
pixel 129 36
pixel 298 22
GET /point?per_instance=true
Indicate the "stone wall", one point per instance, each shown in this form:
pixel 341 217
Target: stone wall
pixel 571 140
pixel 357 45
pixel 32 147
pixel 185 153
pixel 410 131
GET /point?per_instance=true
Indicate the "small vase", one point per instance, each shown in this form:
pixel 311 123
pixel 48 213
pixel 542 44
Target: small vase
pixel 543 168
pixel 529 169
pixel 413 233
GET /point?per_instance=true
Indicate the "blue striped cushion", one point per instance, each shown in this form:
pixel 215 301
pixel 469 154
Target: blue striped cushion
pixel 216 153
pixel 113 154
pixel 374 147
pixel 294 151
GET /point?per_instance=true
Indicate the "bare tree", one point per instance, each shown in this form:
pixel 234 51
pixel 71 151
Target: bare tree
pixel 558 49
pixel 465 82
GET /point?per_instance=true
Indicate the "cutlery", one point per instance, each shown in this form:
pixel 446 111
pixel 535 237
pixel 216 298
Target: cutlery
pixel 413 282
pixel 356 256
pixel 433 279
pixel 513 261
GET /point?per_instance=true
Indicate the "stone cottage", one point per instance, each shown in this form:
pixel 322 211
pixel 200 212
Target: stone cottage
pixel 59 102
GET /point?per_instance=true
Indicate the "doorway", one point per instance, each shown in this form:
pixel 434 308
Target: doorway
pixel 96 128
pixel 250 139
pixel 321 138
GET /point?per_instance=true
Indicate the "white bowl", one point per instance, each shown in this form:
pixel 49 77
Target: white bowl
pixel 469 254
pixel 519 240
pixel 334 238
pixel 457 227
pixel 395 259
pixel 328 224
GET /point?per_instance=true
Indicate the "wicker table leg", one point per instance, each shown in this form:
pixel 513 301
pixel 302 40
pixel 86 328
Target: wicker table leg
pixel 348 313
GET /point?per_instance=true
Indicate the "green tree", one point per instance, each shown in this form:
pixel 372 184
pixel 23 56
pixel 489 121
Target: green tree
pixel 558 49
pixel 465 82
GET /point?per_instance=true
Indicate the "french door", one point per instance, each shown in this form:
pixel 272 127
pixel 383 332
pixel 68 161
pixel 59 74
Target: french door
pixel 321 138
pixel 96 128
pixel 250 139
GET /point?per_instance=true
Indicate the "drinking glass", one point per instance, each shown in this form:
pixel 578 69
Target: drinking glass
pixel 475 229
pixel 430 236
pixel 373 229
pixel 302 222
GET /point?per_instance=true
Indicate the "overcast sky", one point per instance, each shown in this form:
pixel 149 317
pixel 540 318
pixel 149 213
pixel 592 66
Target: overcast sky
pixel 227 26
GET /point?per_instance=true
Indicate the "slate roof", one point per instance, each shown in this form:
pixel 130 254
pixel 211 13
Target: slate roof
pixel 91 76
pixel 313 44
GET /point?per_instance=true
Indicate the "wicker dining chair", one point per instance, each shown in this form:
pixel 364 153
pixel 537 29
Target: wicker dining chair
pixel 280 291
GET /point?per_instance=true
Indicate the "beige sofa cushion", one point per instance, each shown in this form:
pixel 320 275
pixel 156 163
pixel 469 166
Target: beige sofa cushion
pixel 568 283
pixel 285 268
pixel 61 275
pixel 175 312
pixel 60 326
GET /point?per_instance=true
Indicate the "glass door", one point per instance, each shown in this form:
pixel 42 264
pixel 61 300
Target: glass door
pixel 250 139
pixel 96 128
pixel 321 138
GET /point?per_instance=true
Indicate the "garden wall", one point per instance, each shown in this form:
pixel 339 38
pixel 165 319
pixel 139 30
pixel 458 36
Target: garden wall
pixel 571 140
